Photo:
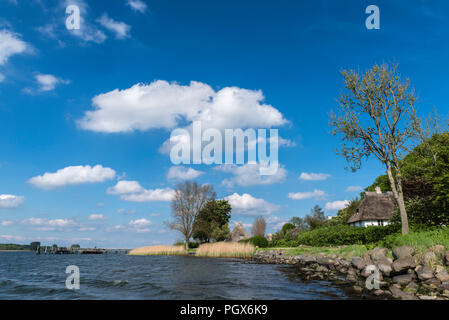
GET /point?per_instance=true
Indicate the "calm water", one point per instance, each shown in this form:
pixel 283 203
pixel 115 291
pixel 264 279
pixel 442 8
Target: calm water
pixel 24 275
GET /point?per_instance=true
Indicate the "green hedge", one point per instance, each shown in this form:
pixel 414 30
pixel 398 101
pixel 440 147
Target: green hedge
pixel 258 241
pixel 346 235
pixel 284 243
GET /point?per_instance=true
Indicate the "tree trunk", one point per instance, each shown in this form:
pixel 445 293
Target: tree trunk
pixel 187 244
pixel 399 196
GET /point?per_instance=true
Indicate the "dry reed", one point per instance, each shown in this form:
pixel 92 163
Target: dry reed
pixel 226 249
pixel 159 250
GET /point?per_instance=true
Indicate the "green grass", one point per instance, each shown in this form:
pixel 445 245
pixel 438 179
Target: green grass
pixel 421 241
pixel 347 251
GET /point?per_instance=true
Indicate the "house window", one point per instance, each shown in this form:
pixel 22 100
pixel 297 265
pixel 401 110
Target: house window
pixel 380 222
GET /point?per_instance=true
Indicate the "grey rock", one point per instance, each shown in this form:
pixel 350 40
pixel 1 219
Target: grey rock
pixel 445 285
pixel 307 259
pixel 433 283
pixel 358 263
pixel 403 279
pixel 404 251
pixel 325 261
pixel 385 266
pixel 442 275
pixel 429 258
pixel 403 264
pixel 424 273
pixel 378 292
pixel 396 292
pixel 378 254
pixel 357 289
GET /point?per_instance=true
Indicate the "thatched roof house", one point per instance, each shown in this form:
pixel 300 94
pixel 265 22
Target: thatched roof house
pixel 239 233
pixel 375 209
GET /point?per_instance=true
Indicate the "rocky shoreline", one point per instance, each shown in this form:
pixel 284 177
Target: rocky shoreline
pixel 408 276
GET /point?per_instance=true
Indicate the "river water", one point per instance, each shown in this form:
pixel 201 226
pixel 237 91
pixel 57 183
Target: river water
pixel 25 275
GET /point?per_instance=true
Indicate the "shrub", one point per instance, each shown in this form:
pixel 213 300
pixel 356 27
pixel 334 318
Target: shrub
pixel 282 243
pixel 258 241
pixel 288 226
pixel 344 235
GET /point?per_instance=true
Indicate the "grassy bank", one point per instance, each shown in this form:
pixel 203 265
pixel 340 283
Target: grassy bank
pixel 421 241
pixel 159 251
pixel 347 251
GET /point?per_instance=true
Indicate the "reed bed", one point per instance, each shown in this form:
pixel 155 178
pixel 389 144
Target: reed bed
pixel 159 251
pixel 226 250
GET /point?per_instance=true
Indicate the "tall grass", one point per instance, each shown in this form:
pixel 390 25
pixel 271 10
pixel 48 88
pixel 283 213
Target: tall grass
pixel 226 250
pixel 420 240
pixel 346 251
pixel 159 250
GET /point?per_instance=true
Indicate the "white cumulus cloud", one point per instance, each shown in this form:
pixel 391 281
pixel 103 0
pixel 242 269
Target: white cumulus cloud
pixel 161 104
pixel 246 204
pixel 314 176
pixel 337 205
pixel 133 191
pixel 72 175
pixel 307 195
pixel 182 173
pixel 8 201
pixel 10 44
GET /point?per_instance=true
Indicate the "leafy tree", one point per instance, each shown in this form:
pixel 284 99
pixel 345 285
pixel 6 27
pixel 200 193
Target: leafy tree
pixel 376 116
pixel 299 223
pixel 344 214
pixel 288 226
pixel 212 221
pixel 188 201
pixel 316 219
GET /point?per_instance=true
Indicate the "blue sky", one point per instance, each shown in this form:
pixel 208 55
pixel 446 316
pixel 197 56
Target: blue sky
pixel 82 163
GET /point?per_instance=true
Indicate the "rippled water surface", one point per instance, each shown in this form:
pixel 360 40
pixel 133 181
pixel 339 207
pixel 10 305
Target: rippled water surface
pixel 24 275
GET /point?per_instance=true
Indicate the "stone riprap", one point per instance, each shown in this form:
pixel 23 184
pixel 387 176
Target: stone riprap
pixel 407 276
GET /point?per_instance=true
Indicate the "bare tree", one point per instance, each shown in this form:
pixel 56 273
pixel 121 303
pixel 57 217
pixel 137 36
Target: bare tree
pixel 376 116
pixel 188 200
pixel 259 227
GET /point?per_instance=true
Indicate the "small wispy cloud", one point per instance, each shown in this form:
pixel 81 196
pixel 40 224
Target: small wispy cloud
pixel 137 5
pixel 120 29
pixel 307 195
pixel 313 176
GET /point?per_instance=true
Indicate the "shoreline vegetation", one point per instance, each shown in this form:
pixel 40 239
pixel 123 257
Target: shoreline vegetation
pixel 217 249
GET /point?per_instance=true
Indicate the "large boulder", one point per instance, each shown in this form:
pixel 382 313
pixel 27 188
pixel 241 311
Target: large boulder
pixel 429 258
pixel 402 252
pixel 307 259
pixel 424 273
pixel 378 254
pixel 358 263
pixel 403 279
pixel 396 292
pixel 403 264
pixel 441 274
pixel 385 267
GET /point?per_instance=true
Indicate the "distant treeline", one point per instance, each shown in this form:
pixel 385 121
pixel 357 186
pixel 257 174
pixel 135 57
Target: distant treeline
pixel 12 246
